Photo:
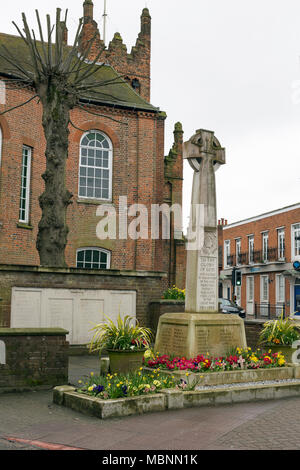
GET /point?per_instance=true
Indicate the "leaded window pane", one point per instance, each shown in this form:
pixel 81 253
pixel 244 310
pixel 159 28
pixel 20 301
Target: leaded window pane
pixel 92 259
pixel 95 163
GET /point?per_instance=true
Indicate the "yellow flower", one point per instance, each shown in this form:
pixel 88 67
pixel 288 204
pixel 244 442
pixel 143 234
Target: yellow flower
pixel 92 373
pixel 187 374
pixel 80 381
pixel 91 388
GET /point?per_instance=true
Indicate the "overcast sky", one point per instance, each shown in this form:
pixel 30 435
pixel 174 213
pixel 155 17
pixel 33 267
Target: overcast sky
pixel 231 66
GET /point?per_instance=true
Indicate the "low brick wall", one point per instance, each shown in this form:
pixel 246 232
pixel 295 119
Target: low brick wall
pixel 147 284
pixel 161 306
pixel 32 358
pixel 253 329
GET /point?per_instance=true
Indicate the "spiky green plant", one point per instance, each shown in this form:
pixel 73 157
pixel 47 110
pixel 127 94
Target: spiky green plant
pixel 280 331
pixel 125 334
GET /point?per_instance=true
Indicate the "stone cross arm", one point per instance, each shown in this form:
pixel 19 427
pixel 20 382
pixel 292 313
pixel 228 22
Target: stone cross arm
pixel 203 145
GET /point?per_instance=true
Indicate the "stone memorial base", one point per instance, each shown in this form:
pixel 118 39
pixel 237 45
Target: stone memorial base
pixel 190 334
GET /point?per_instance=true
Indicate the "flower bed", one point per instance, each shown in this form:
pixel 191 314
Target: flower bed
pixel 112 386
pixel 240 359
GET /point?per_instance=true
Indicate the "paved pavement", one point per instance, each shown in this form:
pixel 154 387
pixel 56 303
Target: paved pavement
pixel 31 421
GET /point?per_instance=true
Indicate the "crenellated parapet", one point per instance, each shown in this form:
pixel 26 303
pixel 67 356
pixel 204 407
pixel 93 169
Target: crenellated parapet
pixel 134 66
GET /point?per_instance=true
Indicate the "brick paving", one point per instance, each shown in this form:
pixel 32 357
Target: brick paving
pixel 267 425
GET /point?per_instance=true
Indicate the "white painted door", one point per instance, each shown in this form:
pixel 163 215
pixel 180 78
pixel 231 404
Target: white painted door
pixel 250 295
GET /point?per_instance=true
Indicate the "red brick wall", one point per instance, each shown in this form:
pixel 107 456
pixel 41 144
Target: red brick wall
pixel 137 174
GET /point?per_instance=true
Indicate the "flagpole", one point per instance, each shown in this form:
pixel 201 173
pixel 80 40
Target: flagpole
pixel 104 22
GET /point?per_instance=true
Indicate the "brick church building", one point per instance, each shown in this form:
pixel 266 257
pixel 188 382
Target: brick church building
pixel 103 275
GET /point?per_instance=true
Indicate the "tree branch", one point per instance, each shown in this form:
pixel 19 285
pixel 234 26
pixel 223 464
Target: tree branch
pixel 102 115
pixel 12 61
pixel 75 127
pixel 41 36
pixel 19 105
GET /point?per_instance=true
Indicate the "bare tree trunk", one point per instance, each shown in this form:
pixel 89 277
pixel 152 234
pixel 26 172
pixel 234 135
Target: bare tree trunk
pixel 59 77
pixel 53 230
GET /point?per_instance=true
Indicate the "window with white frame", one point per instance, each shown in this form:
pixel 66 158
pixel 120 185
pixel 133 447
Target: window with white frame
pixel 227 253
pixel 93 258
pixel 264 289
pixel 295 240
pixel 95 169
pixel 25 185
pixel 238 251
pixel 280 288
pixel 251 248
pixel 281 243
pixel 265 246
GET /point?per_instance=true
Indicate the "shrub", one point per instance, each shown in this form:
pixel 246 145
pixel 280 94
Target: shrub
pixel 124 335
pixel 283 331
pixel 174 293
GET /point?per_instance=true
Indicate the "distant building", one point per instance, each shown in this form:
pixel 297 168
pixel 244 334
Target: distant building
pixel 263 248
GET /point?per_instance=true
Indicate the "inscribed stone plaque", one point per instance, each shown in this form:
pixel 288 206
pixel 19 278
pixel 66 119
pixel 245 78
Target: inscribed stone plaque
pixel 25 308
pixel 173 339
pixel 60 314
pixel 91 312
pixel 207 276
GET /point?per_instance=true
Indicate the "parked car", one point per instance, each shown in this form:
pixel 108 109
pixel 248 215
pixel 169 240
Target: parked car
pixel 227 306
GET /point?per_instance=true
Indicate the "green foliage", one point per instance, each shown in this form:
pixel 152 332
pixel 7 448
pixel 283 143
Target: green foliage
pixel 125 385
pixel 174 293
pixel 124 335
pixel 281 331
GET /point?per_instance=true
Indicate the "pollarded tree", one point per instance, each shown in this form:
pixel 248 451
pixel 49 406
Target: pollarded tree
pixel 59 76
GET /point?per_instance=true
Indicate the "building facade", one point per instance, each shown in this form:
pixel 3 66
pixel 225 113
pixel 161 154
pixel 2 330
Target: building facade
pixel 263 248
pixel 116 150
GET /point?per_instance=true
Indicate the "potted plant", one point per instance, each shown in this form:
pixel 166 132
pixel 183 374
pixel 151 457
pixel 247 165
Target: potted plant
pixel 279 336
pixel 125 341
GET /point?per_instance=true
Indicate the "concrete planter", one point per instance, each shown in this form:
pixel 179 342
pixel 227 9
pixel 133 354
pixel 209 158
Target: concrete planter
pixel 67 396
pixel 172 399
pixel 125 361
pixel 231 377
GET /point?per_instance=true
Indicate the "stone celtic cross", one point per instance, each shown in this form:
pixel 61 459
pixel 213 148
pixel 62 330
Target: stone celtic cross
pixel 205 155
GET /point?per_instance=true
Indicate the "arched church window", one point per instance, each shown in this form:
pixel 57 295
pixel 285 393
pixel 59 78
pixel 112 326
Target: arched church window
pixel 95 168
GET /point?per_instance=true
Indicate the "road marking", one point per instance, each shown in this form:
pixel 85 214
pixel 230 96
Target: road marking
pixel 42 445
